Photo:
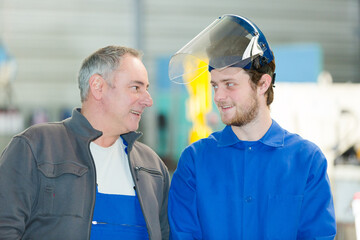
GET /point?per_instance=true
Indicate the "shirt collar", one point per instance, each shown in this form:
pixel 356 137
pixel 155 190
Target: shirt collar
pixel 274 137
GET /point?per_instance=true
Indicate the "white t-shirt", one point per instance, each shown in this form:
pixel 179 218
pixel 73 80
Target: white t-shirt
pixel 112 169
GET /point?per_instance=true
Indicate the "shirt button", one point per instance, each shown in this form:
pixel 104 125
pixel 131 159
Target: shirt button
pixel 249 148
pixel 248 199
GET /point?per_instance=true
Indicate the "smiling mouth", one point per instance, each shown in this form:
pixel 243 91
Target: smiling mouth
pixel 225 106
pixel 136 112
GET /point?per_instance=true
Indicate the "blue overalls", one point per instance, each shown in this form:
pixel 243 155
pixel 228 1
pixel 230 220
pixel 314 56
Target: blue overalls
pixel 118 217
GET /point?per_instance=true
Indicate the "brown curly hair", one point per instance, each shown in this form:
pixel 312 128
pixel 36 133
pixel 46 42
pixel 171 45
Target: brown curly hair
pixel 256 74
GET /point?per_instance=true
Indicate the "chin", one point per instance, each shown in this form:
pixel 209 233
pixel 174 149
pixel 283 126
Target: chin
pixel 134 128
pixel 227 120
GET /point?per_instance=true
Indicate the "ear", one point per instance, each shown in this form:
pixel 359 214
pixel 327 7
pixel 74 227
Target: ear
pixel 264 84
pixel 96 84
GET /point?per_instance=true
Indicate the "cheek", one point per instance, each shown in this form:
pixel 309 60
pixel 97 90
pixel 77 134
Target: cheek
pixel 130 101
pixel 125 99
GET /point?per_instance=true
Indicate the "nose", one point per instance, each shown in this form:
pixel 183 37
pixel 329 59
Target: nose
pixel 147 100
pixel 219 95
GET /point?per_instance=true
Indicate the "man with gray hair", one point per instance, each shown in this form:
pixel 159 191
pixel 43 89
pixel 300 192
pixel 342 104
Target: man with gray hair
pixel 88 177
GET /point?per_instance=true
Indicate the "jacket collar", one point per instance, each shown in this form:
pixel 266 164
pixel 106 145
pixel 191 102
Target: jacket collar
pixel 81 126
pixel 130 138
pixel 274 137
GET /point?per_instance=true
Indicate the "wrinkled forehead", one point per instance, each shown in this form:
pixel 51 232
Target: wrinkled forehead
pixel 131 70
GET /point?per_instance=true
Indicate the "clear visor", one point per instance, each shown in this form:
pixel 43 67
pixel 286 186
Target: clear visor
pixel 227 41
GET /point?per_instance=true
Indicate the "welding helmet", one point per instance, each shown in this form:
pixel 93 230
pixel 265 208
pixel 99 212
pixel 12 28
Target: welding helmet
pixel 230 40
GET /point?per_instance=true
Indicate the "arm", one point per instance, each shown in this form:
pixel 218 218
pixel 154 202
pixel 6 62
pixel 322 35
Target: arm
pixel 183 217
pixel 17 188
pixel 317 213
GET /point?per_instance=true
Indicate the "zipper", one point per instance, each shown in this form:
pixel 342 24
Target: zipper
pixel 153 172
pixel 96 222
pixel 94 195
pixel 138 193
pixel 115 224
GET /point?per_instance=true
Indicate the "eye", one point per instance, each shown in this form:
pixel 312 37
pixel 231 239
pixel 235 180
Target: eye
pixel 136 88
pixel 229 84
pixel 214 86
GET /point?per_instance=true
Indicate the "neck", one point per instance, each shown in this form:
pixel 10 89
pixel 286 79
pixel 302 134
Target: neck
pixel 106 141
pixel 256 129
pixel 96 119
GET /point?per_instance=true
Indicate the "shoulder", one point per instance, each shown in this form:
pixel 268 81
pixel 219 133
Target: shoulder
pixel 40 135
pixel 288 140
pixel 40 140
pixel 145 149
pixel 42 130
pixel 139 146
pixel 292 147
pixel 201 148
pixel 292 140
pixel 44 139
pixel 204 143
pixel 304 152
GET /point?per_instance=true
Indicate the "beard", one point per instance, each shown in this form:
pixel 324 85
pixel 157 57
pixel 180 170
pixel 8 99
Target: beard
pixel 244 115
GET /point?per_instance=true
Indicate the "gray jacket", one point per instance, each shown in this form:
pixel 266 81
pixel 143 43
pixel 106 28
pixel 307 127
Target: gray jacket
pixel 48 182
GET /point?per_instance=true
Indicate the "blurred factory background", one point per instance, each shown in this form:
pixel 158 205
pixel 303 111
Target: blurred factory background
pixel 316 45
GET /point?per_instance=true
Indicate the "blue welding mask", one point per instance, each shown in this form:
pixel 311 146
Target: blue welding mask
pixel 230 41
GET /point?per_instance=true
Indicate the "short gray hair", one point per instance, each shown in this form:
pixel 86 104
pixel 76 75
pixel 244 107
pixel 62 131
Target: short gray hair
pixel 103 62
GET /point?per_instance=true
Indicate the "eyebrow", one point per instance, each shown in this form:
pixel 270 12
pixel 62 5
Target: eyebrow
pixel 221 81
pixel 139 83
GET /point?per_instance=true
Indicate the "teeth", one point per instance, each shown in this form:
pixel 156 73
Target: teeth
pixel 135 112
pixel 226 106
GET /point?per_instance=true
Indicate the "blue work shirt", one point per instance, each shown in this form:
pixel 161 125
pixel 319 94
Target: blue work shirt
pixel 273 188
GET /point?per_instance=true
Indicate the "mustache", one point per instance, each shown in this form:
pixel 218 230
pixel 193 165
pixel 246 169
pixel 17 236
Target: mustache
pixel 224 104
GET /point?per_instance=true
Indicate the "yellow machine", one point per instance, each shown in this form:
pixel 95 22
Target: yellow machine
pixel 199 103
